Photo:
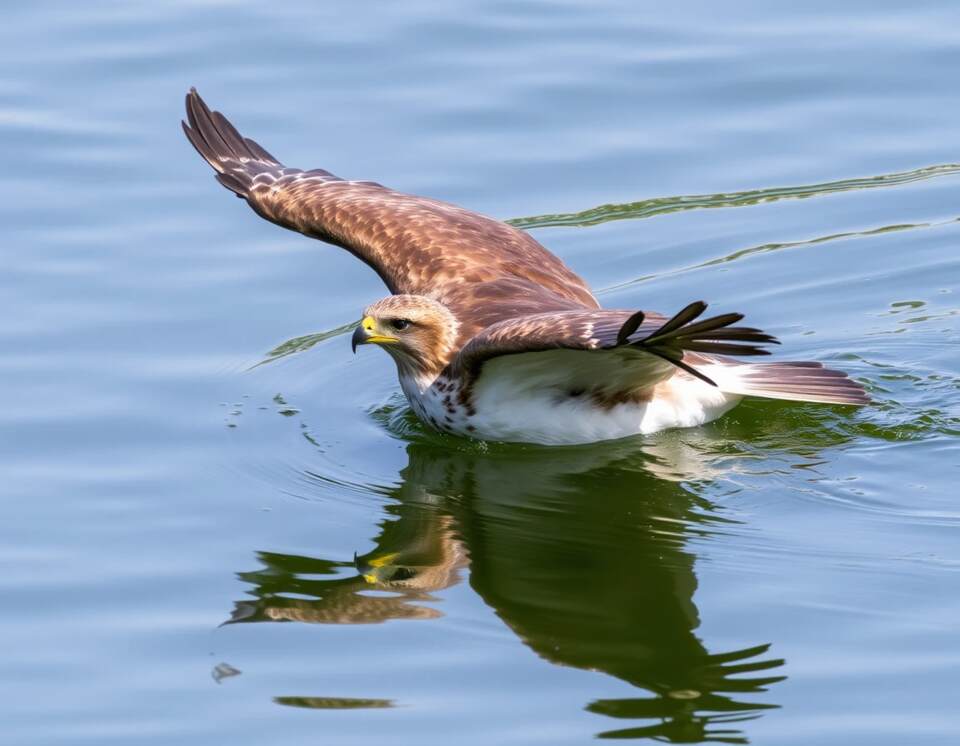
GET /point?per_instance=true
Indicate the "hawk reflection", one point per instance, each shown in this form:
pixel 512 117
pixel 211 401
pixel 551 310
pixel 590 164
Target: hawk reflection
pixel 582 552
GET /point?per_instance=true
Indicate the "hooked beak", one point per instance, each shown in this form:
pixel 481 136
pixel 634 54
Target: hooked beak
pixel 359 338
pixel 364 334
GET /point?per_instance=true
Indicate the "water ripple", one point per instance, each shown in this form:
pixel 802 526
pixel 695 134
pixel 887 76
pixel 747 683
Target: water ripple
pixel 664 205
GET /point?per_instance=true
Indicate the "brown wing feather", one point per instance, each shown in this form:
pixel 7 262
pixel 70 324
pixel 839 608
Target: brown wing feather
pixel 416 245
pixel 610 329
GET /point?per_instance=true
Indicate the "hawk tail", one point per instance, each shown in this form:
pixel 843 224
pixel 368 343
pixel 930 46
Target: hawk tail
pixel 238 160
pixel 793 381
pixel 796 381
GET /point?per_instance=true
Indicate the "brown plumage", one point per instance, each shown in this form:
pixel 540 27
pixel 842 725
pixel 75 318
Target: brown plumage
pixel 485 290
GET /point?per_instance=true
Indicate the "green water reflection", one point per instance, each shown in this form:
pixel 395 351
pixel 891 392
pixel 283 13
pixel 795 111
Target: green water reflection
pixel 664 205
pixel 583 552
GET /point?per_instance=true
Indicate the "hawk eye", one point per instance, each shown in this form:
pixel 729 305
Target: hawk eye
pixel 399 324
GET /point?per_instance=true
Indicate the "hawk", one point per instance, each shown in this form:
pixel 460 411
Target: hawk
pixel 493 336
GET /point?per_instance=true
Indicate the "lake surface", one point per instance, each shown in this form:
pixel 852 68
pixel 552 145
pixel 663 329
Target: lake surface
pixel 198 549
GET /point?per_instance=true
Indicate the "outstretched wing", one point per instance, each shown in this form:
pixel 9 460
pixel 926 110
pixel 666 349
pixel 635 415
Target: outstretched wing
pixel 639 348
pixel 416 245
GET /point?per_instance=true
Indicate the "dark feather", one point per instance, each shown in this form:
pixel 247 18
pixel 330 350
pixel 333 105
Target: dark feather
pixel 233 138
pixel 738 333
pixel 233 183
pixel 701 327
pixel 685 316
pixel 723 348
pixel 714 336
pixel 259 152
pixel 678 361
pixel 196 139
pixel 201 118
pixel 629 327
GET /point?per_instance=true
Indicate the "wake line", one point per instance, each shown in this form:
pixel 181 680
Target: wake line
pixel 303 343
pixel 768 247
pixel 664 205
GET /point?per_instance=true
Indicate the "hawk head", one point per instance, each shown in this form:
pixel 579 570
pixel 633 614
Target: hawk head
pixel 419 333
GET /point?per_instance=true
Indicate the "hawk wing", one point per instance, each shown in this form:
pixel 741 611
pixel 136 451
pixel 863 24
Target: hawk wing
pixel 616 349
pixel 416 245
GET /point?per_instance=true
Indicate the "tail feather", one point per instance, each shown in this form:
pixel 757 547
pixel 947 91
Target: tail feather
pixel 699 347
pixel 794 381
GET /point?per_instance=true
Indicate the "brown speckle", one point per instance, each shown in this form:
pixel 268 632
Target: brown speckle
pixel 610 399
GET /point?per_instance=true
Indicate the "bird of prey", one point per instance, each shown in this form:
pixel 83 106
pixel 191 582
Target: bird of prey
pixel 493 336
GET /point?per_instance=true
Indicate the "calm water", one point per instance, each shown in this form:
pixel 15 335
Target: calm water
pixel 786 575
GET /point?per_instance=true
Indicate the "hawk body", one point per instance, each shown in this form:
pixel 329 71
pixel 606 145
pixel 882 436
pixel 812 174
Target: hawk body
pixel 495 337
pixel 523 399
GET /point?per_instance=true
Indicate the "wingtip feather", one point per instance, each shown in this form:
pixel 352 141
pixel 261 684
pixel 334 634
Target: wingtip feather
pixel 235 158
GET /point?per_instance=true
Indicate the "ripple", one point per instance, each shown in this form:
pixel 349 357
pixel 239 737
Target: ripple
pixel 334 703
pixel 303 343
pixel 665 205
pixel 777 246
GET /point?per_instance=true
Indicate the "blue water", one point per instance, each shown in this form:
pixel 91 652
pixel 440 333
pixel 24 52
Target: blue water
pixel 786 575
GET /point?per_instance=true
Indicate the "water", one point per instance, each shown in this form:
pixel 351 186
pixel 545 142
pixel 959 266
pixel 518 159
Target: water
pixel 786 575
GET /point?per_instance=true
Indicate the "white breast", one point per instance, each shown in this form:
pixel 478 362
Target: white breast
pixel 437 403
pixel 510 413
pixel 517 403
